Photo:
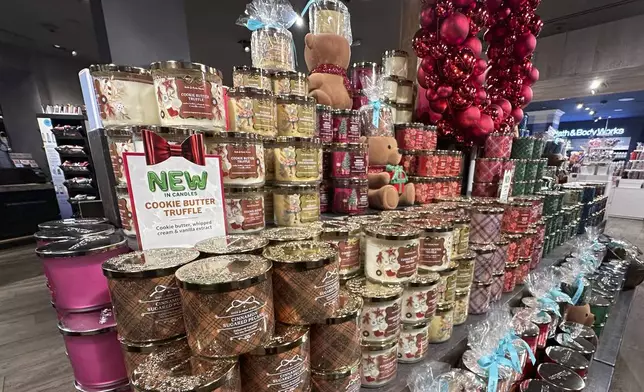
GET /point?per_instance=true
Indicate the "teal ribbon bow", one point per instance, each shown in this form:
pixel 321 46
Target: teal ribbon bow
pixel 491 363
pixel 398 174
pixel 548 303
pixel 375 118
pixel 506 346
pixel 306 7
pixel 556 294
pixel 512 337
pixel 580 289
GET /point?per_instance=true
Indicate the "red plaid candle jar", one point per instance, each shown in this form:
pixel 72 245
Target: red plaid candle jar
pixel 513 247
pixel 346 126
pixel 500 255
pixel 498 145
pixel 537 206
pixel 349 160
pixel 413 342
pixel 443 163
pixel 526 245
pixel 483 262
pixel 488 170
pixel 523 270
pixel 536 257
pixel 456 163
pixel 411 136
pixel 346 237
pixel 485 189
pixel 426 164
pixel 430 138
pixel 480 297
pixel 508 165
pixel 380 314
pixel 485 226
pixel 425 189
pixel 408 162
pixel 510 278
pixel 517 217
pixel 496 290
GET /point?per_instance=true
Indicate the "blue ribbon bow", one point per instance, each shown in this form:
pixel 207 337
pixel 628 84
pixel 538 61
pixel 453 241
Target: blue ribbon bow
pixel 558 296
pixel 506 346
pixel 491 363
pixel 580 289
pixel 375 118
pixel 306 7
pixel 548 303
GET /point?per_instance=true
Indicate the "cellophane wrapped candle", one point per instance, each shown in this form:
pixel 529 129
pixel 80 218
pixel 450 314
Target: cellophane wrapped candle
pixel 330 17
pixel 377 118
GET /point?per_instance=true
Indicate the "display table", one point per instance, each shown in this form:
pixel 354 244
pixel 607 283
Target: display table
pixel 626 201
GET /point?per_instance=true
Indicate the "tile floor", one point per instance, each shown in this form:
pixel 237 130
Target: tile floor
pixel 32 356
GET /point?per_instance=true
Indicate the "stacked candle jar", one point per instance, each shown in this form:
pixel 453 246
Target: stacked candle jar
pixel 553 216
pixel 398 89
pixel 434 173
pixel 81 298
pixel 489 170
pixel 359 75
pixel 525 167
pixel 537 227
pixel 592 205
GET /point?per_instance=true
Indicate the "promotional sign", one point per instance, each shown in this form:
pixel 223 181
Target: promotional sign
pixel 176 191
pixel 505 185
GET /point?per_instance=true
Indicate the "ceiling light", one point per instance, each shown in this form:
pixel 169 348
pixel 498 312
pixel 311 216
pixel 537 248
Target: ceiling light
pixel 246 49
pixel 74 53
pixel 626 99
pixel 600 117
pixel 591 112
pixel 586 108
pixel 299 22
pixel 580 105
pixel 594 85
pixel 593 92
pixel 619 110
pixel 610 116
pixel 596 119
pixel 56 46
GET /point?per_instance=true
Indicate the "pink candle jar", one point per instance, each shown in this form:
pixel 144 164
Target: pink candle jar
pixel 346 126
pixel 456 162
pixel 73 270
pixel 517 217
pixel 480 297
pixel 350 196
pixel 501 255
pixel 537 206
pixel 359 100
pixel 361 73
pixel 485 189
pixel 510 279
pixel 488 170
pixel 420 298
pixel 349 160
pixel 46 236
pixel 498 145
pixel 411 136
pixel 425 189
pixel 324 115
pixel 93 348
pixel 485 227
pixel 426 164
pixel 484 262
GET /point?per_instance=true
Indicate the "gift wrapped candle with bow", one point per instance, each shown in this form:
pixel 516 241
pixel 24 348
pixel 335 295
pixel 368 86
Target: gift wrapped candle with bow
pixel 510 344
pixel 271 43
pixel 329 17
pixel 547 296
pixel 376 117
pixel 486 359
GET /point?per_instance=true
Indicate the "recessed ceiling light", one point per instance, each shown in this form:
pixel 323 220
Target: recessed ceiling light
pixel 56 46
pixel 594 85
pixel 610 116
pixel 600 117
pixel 593 92
pixel 586 108
pixel 299 22
pixel 580 105
pixel 619 110
pixel 74 53
pixel 591 112
pixel 626 99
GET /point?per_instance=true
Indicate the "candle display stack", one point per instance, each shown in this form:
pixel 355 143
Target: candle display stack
pixel 489 170
pixel 79 294
pixel 528 165
pixel 398 89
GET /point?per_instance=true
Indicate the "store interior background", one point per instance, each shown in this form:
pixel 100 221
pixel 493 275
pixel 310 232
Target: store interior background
pixel 583 41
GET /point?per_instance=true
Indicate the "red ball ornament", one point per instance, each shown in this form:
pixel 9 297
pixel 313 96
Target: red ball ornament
pixel 455 29
pixel 505 106
pixel 480 96
pixel 493 5
pixel 479 80
pixel 458 102
pixel 462 3
pixel 525 45
pixel 496 114
pixel 525 96
pixel 480 66
pixel 532 77
pixel 467 91
pixel 434 117
pixel 443 8
pixel 427 17
pixel 439 105
pixel 517 114
pixel 428 64
pixel 474 44
pixel 421 42
pixel 421 76
pixel 430 95
pixel 505 128
pixel 444 91
pixel 516 4
pixel 485 124
pixel 509 121
pixel 536 25
pixel 478 18
pixel 444 128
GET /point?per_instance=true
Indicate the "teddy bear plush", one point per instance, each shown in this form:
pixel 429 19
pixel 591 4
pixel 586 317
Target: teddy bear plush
pixel 388 185
pixel 327 59
pixel 580 314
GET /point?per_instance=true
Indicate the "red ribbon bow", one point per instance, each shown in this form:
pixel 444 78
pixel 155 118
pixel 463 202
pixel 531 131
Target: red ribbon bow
pixel 157 149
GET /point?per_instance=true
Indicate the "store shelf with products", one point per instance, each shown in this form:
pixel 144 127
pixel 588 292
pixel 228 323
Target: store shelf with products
pixel 626 201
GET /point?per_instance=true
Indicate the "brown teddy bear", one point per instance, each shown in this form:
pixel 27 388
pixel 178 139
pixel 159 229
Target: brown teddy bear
pixel 388 185
pixel 580 314
pixel 327 58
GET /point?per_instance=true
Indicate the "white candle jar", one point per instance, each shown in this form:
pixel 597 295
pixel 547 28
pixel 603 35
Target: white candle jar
pixel 244 209
pixel 125 95
pixel 394 63
pixel 442 324
pixel 435 245
pixel 391 253
pixel 242 157
pixel 272 49
pixel 189 95
pixel 405 91
pixel 379 364
pixel 413 342
pixel 330 17
pixel 420 298
pixel 380 315
pixel 404 113
pixel 390 88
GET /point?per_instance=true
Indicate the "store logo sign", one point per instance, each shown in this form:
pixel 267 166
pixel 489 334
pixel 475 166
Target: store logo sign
pixel 593 132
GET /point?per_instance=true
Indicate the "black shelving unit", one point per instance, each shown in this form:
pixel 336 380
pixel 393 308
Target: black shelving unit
pixel 69 130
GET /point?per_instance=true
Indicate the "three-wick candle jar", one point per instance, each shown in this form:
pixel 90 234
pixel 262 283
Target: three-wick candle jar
pixel 379 363
pixel 227 304
pixel 435 244
pixel 420 298
pixel 305 280
pixel 344 380
pixel 442 324
pixel 296 116
pixel 245 76
pixel 231 245
pixel 252 110
pixel 244 206
pixel 296 204
pixel 242 157
pixel 391 253
pixel 298 160
pixel 346 237
pixel 413 342
pixel 380 314
pixel 145 296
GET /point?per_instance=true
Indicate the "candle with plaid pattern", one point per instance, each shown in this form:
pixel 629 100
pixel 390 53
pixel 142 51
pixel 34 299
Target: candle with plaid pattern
pixel 485 226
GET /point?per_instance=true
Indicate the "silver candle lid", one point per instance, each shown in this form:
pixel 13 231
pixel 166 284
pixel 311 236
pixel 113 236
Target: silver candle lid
pixel 150 263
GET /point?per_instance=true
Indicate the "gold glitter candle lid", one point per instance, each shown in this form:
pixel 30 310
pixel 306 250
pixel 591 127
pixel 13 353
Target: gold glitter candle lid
pixel 349 309
pixel 453 266
pixel 399 215
pixel 336 374
pixel 482 249
pixel 469 256
pixel 231 244
pixel 333 228
pixel 374 292
pixel 431 226
pixel 461 292
pixel 378 346
pixel 487 210
pixel 150 263
pixel 392 232
pixel 413 326
pixel 285 338
pixel 302 255
pixel 223 273
pixel 174 369
pixel 286 234
pixel 424 280
pixel 364 220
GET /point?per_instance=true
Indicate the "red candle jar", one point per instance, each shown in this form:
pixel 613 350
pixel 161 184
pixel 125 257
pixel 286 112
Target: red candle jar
pixel 498 145
pixel 325 196
pixel 454 187
pixel 526 245
pixel 443 163
pixel 324 116
pixel 537 206
pixel 456 163
pixel 510 278
pixel 346 126
pixel 349 160
pixel 513 247
pixel 488 170
pixel 359 100
pixel 517 217
pixel 500 256
pixel 361 72
pixel 426 164
pixel 350 196
pixel 425 189
pixel 485 189
pixel 442 187
pixel 523 270
pixel 540 229
pixel 411 136
pixel 542 320
pixel 408 162
pixel 326 164
pixel 430 138
pixel 536 257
